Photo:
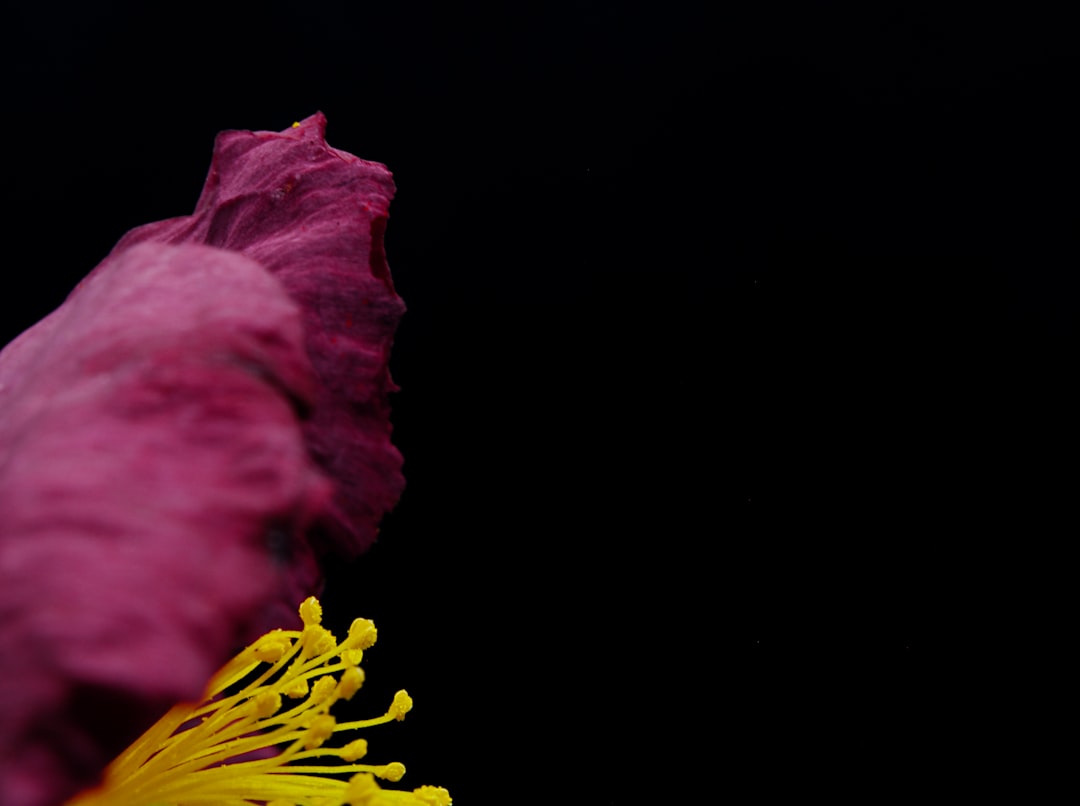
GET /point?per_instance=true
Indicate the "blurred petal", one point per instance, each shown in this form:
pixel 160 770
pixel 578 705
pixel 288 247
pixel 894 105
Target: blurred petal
pixel 149 440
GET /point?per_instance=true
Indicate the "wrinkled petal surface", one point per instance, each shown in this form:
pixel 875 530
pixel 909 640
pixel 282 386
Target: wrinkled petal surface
pixel 315 217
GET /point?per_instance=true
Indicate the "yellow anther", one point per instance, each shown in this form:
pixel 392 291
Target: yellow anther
pixel 361 790
pixel 433 795
pixel 392 771
pixel 267 703
pixel 271 647
pixel 351 680
pixel 322 689
pixel 362 634
pixel 296 124
pixel 310 609
pixel 322 728
pixel 296 689
pixel 401 705
pixel 317 640
pixel 325 641
pixel 354 750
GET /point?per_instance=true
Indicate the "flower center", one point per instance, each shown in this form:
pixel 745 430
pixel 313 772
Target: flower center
pixel 246 744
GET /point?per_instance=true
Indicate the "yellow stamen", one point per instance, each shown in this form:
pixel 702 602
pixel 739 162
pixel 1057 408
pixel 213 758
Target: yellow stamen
pixel 240 747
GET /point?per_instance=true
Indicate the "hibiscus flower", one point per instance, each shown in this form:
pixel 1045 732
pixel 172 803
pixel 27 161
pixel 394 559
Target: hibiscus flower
pixel 201 421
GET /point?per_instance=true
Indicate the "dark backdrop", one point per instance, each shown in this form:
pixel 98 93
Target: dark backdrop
pixel 734 373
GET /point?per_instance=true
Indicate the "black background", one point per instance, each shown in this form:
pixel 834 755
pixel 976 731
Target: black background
pixel 736 367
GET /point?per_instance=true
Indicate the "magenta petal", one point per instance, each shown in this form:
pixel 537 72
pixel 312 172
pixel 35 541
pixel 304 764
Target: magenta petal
pixel 315 217
pixel 178 443
pixel 149 441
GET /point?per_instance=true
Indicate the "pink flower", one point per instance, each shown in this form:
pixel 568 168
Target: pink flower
pixel 202 419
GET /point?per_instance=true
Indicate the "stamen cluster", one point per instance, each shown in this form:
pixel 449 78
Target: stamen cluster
pixel 248 744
